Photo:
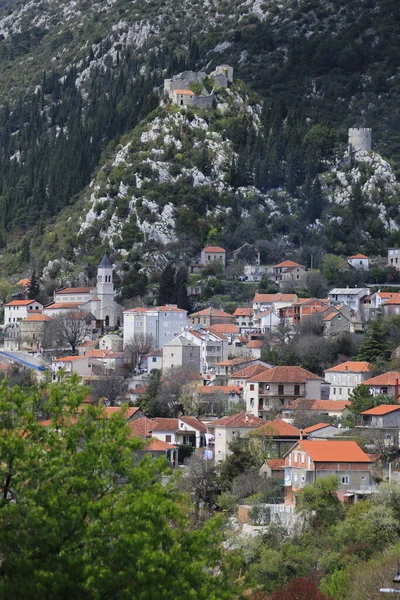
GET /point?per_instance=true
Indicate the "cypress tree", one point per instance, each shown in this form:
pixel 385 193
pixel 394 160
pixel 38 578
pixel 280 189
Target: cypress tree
pixel 33 289
pixel 167 290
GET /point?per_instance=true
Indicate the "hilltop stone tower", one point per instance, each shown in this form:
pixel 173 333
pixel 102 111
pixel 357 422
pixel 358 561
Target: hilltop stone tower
pixel 106 292
pixel 360 140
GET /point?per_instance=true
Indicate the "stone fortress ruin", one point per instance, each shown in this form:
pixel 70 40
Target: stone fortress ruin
pixel 360 140
pixel 179 87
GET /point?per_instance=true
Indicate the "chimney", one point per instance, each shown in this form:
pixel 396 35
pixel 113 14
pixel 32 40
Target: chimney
pixel 301 434
pixel 246 418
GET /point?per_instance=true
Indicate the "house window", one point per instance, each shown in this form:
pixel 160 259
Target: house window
pixel 303 477
pixel 303 458
pixel 167 438
pixel 154 359
pixel 340 391
pixel 296 390
pixel 345 479
pixel 280 389
pixel 252 387
pixel 334 391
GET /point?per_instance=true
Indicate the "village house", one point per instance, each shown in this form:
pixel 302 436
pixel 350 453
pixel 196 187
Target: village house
pixel 273 467
pixel 288 271
pixel 226 429
pixel 263 302
pixel 178 88
pixel 228 368
pixel 213 254
pixel 186 430
pixel 111 341
pixel 266 321
pixel 319 408
pixel 244 319
pixel 309 461
pixel 213 347
pixel 247 253
pixel 16 310
pixel 106 362
pixel 394 258
pixel 335 323
pixel 162 323
pixel 231 394
pixel 226 330
pixel 71 365
pixel 32 330
pixel 354 298
pixel 274 389
pixel 181 352
pixel 277 437
pixel 254 273
pixel 99 300
pixel 344 378
pixel 153 360
pixel 239 378
pixel 391 306
pixel 387 383
pixel 359 261
pixel 86 346
pixel 384 420
pixel 211 316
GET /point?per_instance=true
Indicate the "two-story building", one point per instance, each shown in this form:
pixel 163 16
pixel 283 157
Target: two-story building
pixel 277 437
pixel 387 383
pixel 213 254
pixel 226 429
pixel 213 347
pixel 16 310
pixel 211 316
pixel 345 377
pixel 181 352
pixel 384 419
pixel 244 319
pixel 274 389
pixel 71 365
pixel 263 302
pixel 186 430
pixel 309 461
pixel 288 271
pixel 354 298
pixel 394 258
pixel 320 408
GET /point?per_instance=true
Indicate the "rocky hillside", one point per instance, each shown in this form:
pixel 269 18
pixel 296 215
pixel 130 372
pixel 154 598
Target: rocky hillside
pixel 92 158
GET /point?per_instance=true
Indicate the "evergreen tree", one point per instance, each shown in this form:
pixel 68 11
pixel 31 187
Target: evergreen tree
pixel 182 300
pixel 33 288
pixel 167 291
pixel 375 344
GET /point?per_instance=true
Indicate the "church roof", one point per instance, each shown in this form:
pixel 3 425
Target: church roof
pixel 105 262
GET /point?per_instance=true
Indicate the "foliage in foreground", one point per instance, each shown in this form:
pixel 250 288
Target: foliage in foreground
pixel 83 518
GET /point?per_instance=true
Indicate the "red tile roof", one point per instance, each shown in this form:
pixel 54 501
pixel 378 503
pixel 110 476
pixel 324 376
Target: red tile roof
pixel 319 405
pixel 69 358
pixel 21 302
pixel 233 361
pixel 142 426
pixel 270 298
pixel 113 410
pixel 351 366
pixel 316 427
pixel 389 378
pixel 358 256
pixel 395 299
pixel 184 92
pixel 58 305
pixel 287 264
pixel 277 428
pixel 23 283
pixel 214 249
pixel 224 328
pixel 276 464
pixel 328 451
pixel 284 375
pixel 36 317
pixel 255 344
pixel 243 312
pixel 88 343
pixel 241 419
pixel 155 445
pixel 250 371
pixel 383 409
pixel 165 424
pixel 333 315
pixel 139 390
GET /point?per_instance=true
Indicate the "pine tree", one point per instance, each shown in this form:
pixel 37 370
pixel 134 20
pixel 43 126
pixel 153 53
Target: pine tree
pixel 182 300
pixel 33 289
pixel 167 291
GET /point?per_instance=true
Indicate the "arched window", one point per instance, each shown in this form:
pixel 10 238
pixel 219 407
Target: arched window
pixel 107 321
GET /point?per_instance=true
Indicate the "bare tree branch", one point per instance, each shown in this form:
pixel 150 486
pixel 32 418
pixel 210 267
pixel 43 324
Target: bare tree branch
pixel 136 349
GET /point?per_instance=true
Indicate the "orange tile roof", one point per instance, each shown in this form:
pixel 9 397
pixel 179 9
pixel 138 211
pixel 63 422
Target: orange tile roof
pixel 320 405
pixel 69 358
pixel 165 424
pixel 225 389
pixel 155 445
pixel 328 451
pixel 276 464
pixel 139 390
pixel 316 427
pixel 333 315
pixel 23 283
pixel 243 312
pixel 284 375
pixel 287 264
pixel 277 428
pixel 358 256
pixel 166 308
pixel 224 328
pixel 211 312
pixel 390 378
pixel 36 317
pixel 97 353
pixel 255 344
pixel 395 299
pixel 214 249
pixel 58 305
pixel 142 426
pixel 88 343
pixel 250 371
pixel 233 361
pixel 21 302
pixel 351 366
pixel 184 92
pixel 386 295
pixel 72 290
pixel 383 409
pixel 242 419
pixel 270 298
